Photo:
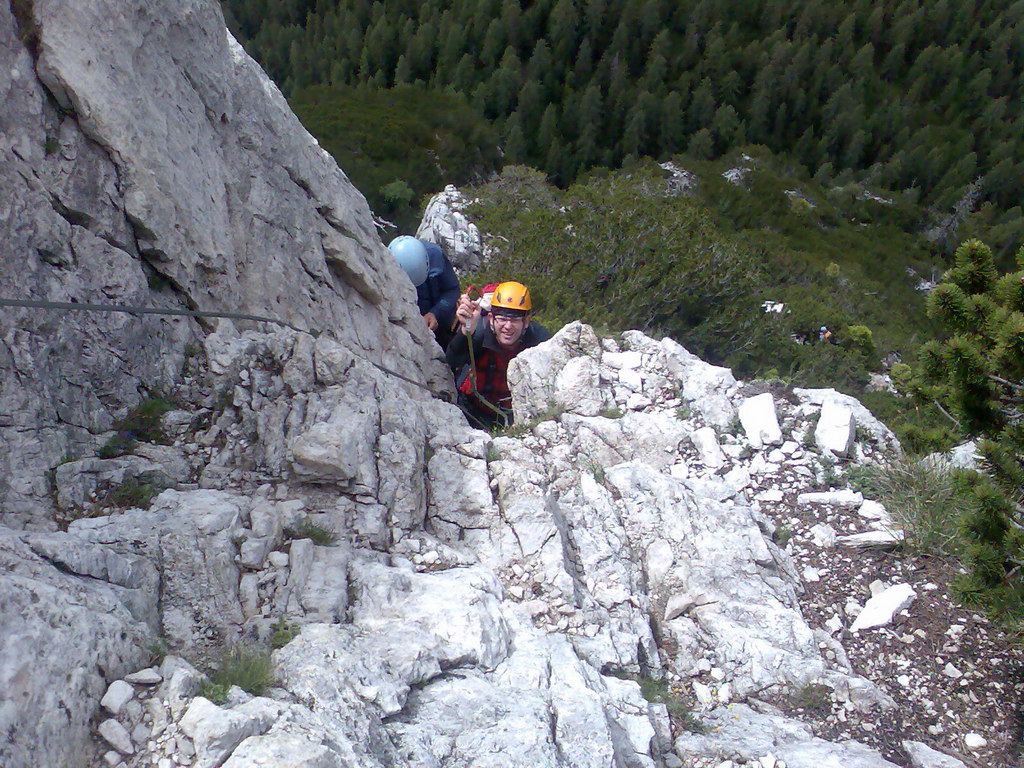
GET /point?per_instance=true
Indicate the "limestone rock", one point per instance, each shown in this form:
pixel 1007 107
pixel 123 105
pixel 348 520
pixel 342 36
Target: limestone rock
pixel 563 372
pixel 197 531
pixel 835 430
pixel 65 605
pixel 444 223
pixel 923 756
pixel 185 171
pixel 118 694
pixel 740 733
pixel 216 731
pixel 761 425
pixel 881 608
pixel 117 736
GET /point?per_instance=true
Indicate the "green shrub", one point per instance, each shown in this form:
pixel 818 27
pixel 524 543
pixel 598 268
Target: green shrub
pixel 282 633
pixel 249 668
pixel 120 444
pixel 308 529
pixel 922 499
pixel 814 698
pixel 142 424
pixel 135 492
pixel 660 692
pixel 859 339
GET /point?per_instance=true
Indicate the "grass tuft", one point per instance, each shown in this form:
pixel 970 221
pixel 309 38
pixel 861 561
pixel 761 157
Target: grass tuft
pixel 307 529
pixel 249 668
pixel 922 499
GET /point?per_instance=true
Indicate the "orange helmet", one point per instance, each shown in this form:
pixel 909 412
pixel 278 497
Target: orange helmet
pixel 512 295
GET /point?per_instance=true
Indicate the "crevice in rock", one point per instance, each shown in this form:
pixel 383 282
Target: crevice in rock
pixel 72 217
pixel 28 30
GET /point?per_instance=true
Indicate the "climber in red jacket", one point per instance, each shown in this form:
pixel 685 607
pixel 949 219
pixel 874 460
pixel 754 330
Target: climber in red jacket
pixel 481 353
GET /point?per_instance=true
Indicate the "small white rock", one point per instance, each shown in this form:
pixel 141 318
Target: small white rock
pixel 149 676
pixel 117 736
pixel 278 559
pixel 950 671
pixel 118 694
pixel 975 741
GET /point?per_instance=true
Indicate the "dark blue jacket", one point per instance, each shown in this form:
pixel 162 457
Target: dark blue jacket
pixel 440 291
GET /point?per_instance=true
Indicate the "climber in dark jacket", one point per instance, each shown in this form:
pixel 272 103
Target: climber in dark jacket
pixel 437 287
pixel 506 331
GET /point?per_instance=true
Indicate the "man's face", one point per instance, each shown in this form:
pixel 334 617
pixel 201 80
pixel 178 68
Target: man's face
pixel 507 330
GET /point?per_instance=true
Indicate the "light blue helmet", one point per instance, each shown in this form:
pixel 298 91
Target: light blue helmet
pixel 412 257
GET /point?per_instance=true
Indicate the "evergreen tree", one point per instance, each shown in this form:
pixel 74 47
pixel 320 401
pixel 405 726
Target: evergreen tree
pixel 978 372
pixel 670 128
pixel 701 145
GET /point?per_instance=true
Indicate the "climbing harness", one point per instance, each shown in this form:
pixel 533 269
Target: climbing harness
pixel 135 310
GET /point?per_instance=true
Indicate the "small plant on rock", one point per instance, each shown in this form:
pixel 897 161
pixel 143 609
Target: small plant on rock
pixel 595 468
pixel 782 535
pixel 283 632
pixel 926 501
pixel 135 492
pixel 612 412
pixel 812 698
pixel 662 692
pixel 249 668
pixel 142 424
pixel 307 529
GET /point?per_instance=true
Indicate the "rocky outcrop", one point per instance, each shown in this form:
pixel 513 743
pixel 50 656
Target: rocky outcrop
pixel 147 161
pixel 445 223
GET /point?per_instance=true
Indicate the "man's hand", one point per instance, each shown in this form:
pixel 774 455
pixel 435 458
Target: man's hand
pixel 468 313
pixel 431 321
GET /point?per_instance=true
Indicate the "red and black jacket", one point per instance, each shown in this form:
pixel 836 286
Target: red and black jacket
pixel 491 362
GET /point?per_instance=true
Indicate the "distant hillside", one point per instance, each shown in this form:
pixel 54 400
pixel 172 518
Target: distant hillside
pixel 921 96
pixel 399 144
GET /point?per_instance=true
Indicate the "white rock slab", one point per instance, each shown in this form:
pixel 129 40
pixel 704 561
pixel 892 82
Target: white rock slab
pixel 880 610
pixel 975 741
pixel 883 539
pixel 872 510
pixel 148 676
pixel 923 756
pixel 706 442
pixel 215 731
pixel 117 736
pixel 823 535
pixel 841 498
pixel 118 694
pixel 836 429
pixel 761 425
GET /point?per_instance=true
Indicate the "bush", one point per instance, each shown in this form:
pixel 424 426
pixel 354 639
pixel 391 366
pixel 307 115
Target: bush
pixel 142 424
pixel 858 339
pixel 136 492
pixel 926 501
pixel 283 632
pixel 249 668
pixel 307 529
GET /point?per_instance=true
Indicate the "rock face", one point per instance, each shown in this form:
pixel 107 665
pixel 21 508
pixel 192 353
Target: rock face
pixel 444 223
pixel 147 161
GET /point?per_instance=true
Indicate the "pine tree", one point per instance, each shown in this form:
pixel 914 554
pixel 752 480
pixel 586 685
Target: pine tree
pixel 978 372
pixel 515 141
pixel 670 128
pixel 701 145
